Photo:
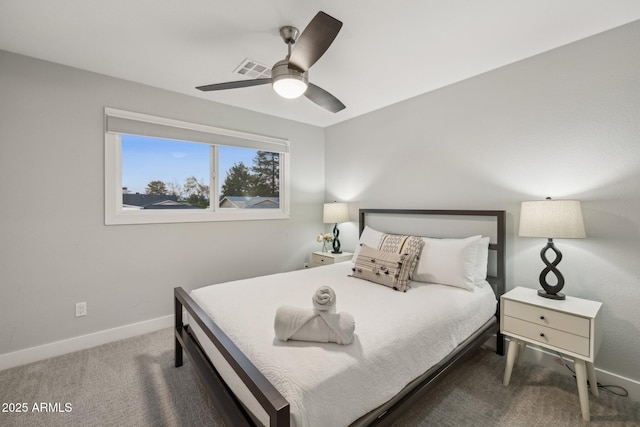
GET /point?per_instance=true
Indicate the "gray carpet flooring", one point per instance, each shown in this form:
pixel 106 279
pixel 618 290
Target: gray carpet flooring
pixel 133 383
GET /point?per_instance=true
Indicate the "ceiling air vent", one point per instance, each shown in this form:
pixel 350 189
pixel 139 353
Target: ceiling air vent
pixel 253 69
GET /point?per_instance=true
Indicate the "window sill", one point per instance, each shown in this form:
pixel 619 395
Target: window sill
pixel 167 217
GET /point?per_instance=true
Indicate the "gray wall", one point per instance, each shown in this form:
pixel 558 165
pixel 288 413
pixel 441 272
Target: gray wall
pixel 54 247
pixel 564 124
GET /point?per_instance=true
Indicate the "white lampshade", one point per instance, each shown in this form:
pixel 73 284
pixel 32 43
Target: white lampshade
pixel 552 219
pixel 335 213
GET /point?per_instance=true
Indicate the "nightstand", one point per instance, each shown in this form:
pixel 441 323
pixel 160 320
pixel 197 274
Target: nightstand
pixel 323 258
pixel 570 326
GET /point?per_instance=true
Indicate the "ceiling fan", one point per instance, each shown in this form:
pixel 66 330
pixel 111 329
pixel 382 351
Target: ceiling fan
pixel 290 76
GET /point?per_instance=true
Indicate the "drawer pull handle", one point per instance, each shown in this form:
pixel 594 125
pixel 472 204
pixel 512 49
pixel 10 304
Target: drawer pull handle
pixel 542 334
pixel 541 317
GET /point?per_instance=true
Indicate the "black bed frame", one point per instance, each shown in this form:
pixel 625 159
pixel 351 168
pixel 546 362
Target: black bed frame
pixel 233 412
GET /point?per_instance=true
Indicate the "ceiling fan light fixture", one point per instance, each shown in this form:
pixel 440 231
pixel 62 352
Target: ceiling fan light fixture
pixel 288 83
pixel 290 87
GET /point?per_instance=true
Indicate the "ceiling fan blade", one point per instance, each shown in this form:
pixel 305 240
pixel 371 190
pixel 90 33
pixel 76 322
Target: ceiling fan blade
pixel 324 98
pixel 234 85
pixel 314 41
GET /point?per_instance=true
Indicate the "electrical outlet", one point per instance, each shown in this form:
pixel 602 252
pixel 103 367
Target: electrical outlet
pixel 306 265
pixel 81 309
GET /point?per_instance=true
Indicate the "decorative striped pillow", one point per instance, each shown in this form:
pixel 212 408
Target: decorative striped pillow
pixel 400 244
pixel 385 268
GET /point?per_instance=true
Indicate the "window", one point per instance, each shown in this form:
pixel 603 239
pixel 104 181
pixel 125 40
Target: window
pixel 161 170
pixel 164 174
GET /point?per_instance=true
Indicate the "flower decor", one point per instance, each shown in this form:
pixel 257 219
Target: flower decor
pixel 325 239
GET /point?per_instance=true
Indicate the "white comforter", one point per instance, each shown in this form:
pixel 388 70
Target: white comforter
pixel 398 336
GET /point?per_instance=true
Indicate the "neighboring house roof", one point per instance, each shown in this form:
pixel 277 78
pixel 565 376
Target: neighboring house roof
pixel 165 201
pixel 138 199
pixel 249 202
pixel 168 204
pixel 153 201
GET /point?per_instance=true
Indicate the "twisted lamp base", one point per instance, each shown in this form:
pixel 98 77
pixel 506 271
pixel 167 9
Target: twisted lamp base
pixel 336 241
pixel 551 291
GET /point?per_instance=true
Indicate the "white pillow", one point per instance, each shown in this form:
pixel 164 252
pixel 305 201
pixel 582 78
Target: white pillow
pixel 448 262
pixel 369 237
pixel 482 260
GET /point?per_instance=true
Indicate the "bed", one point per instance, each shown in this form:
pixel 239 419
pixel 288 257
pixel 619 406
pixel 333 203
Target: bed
pixel 255 379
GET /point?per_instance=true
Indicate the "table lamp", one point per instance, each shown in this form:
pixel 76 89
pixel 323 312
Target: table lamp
pixel 333 214
pixel 551 219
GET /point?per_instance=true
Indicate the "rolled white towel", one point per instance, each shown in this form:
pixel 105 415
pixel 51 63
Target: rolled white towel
pixel 289 319
pixel 324 299
pixel 342 326
pixel 303 324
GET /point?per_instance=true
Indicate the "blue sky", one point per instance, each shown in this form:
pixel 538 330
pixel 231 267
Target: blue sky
pixel 148 159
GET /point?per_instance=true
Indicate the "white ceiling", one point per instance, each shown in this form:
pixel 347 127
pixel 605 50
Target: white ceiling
pixel 387 51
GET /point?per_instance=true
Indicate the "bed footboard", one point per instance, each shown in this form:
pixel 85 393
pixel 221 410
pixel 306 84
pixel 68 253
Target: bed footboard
pixel 230 409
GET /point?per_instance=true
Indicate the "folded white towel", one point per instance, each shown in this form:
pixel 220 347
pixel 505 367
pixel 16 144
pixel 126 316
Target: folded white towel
pixel 324 299
pixel 306 324
pixel 321 324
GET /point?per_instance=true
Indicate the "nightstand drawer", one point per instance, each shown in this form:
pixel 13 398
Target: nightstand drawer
pixel 546 335
pixel 317 260
pixel 326 258
pixel 546 317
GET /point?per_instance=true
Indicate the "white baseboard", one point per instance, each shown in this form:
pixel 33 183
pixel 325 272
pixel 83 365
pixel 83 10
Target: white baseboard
pixel 545 358
pixel 41 352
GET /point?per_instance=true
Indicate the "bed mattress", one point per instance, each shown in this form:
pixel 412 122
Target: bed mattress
pixel 398 336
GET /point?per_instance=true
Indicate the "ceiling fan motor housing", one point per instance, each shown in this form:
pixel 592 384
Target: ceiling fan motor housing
pixel 289 34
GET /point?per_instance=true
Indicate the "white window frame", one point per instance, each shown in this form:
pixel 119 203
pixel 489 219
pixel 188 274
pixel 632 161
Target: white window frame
pixel 118 122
